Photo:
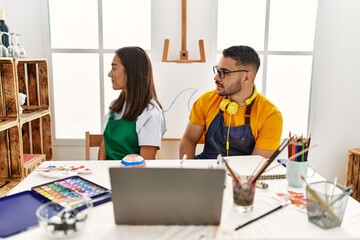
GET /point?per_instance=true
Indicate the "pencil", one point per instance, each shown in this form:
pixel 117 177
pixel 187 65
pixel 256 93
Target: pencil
pixel 289 146
pixel 307 145
pixel 290 158
pixel 302 152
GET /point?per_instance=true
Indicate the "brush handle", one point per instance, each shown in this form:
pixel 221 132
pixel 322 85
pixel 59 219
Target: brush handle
pixel 231 171
pixel 261 216
pixel 272 158
pixel 323 204
pixel 343 194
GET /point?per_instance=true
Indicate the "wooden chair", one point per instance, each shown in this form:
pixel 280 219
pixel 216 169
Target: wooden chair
pixel 91 140
pixel 169 149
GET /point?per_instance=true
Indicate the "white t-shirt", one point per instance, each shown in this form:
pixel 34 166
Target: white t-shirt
pixel 150 125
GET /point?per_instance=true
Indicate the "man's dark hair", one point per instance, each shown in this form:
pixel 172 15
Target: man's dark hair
pixel 243 55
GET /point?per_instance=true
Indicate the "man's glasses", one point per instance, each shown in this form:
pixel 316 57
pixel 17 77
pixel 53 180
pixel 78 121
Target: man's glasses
pixel 222 73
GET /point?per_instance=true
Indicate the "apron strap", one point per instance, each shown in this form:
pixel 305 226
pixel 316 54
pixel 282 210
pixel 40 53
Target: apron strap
pixel 111 115
pixel 248 111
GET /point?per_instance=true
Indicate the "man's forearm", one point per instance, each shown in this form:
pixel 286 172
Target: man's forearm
pixel 187 148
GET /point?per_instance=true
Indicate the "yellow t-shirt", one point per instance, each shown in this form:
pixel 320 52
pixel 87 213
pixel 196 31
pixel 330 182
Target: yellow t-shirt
pixel 265 119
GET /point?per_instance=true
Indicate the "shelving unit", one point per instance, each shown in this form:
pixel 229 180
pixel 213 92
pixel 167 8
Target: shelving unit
pixel 9 124
pixel 27 131
pixel 352 177
pixel 10 153
pixel 31 161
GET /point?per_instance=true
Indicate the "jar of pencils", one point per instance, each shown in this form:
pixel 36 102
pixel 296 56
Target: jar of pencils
pixel 297 164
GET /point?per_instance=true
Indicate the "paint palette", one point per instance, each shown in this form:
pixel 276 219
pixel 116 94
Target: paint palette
pixel 71 187
pixel 63 171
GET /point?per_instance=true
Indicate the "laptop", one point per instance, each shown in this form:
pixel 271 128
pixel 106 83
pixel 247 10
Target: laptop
pixel 167 196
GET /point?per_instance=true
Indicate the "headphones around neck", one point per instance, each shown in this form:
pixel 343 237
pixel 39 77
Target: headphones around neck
pixel 233 107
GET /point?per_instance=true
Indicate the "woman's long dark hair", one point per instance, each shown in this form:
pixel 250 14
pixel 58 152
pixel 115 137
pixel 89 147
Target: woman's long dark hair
pixel 140 83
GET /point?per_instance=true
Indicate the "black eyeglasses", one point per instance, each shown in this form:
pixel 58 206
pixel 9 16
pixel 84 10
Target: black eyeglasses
pixel 222 73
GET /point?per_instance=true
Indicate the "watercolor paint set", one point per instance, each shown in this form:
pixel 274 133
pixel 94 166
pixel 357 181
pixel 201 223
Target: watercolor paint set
pixel 25 203
pixel 74 186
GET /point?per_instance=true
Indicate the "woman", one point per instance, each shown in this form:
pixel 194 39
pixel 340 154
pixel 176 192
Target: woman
pixel 135 122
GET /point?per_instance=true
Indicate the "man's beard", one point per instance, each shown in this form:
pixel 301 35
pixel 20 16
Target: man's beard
pixel 231 90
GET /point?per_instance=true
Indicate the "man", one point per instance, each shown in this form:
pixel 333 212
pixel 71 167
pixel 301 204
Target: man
pixel 233 119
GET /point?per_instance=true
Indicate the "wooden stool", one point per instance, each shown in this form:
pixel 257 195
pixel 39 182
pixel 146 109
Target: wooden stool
pixel 353 172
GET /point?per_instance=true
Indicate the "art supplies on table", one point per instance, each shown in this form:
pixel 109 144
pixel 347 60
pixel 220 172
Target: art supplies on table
pixel 264 205
pixel 296 148
pixel 259 184
pixel 238 163
pixel 282 162
pixel 74 186
pixel 326 203
pixel 261 216
pixel 25 203
pixel 22 204
pixel 63 171
pixel 264 165
pixel 262 169
pixel 297 199
pixel 262 185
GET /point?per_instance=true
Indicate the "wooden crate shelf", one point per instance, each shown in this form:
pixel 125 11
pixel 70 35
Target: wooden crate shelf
pixel 7 185
pixel 31 161
pixel 25 130
pixel 36 136
pixel 33 81
pixel 352 172
pixel 7 122
pixel 11 153
pixel 8 89
pixel 29 115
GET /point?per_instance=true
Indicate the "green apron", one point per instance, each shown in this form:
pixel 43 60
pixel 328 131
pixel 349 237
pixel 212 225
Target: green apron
pixel 120 138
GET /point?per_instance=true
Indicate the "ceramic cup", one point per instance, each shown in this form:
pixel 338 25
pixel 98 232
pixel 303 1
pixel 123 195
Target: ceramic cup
pixel 294 170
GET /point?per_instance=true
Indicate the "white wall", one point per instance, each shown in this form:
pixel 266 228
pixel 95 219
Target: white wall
pixel 334 115
pixel 335 98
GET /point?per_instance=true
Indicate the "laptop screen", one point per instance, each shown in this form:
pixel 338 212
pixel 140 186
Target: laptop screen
pixel 167 196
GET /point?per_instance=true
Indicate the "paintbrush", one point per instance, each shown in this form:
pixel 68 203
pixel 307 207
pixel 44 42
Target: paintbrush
pixel 265 214
pixel 52 168
pixel 231 171
pixel 275 154
pixel 293 156
pixel 343 194
pixel 326 207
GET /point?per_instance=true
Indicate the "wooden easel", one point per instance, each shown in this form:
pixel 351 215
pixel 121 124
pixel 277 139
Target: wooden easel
pixel 184 58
